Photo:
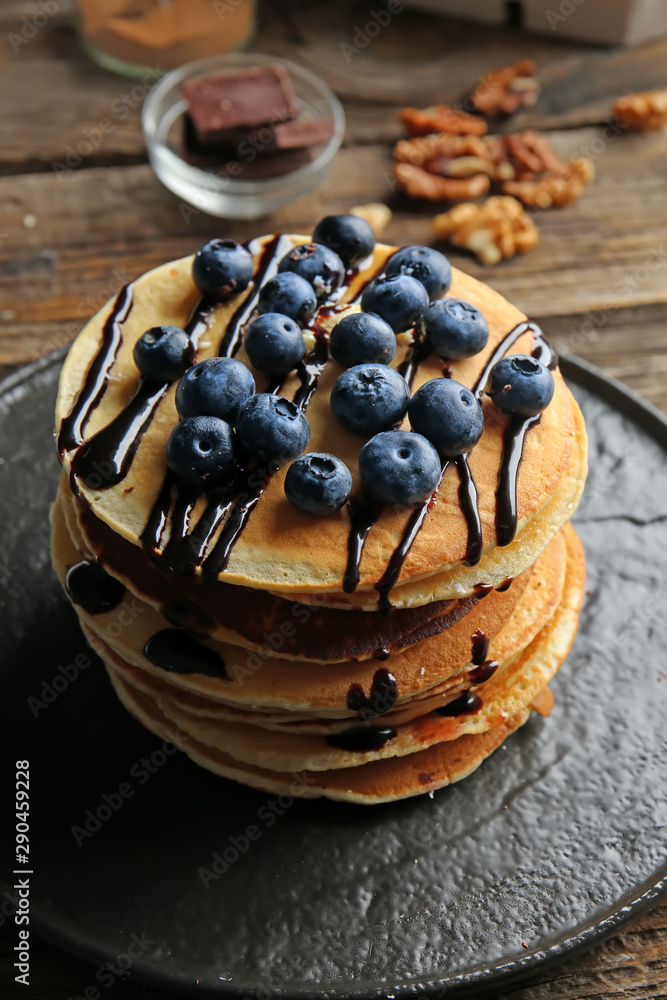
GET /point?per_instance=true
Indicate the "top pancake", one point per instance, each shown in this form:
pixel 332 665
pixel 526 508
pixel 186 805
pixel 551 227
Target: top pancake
pixel 289 552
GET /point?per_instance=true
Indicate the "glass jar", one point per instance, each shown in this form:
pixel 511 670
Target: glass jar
pixel 134 37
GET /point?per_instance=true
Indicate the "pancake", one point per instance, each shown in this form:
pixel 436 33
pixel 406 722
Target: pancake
pixel 371 784
pixel 368 655
pixel 508 620
pixel 280 549
pixel 509 691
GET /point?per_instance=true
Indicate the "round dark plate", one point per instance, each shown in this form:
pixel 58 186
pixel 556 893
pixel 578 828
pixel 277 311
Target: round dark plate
pixel 555 840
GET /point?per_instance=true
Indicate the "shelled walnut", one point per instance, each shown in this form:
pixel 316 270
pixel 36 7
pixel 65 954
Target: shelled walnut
pixel 441 118
pixel 551 188
pixel 376 213
pixel 420 183
pixel 496 230
pixel 505 90
pixel 645 110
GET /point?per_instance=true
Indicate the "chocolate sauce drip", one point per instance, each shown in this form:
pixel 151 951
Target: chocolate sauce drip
pixel 386 584
pixel 180 616
pixel 382 654
pixel 470 508
pixel 362 739
pixel 383 695
pixel 480 647
pixel 272 254
pixel 153 533
pixel 542 350
pixel 235 503
pixel 363 515
pixel 89 586
pixel 248 490
pixel 500 352
pixel 421 349
pixel 104 460
pixel 177 652
pixel 483 671
pixel 467 704
pixel 74 424
pixel 505 585
pixel 506 499
pixel 311 367
pixel 483 589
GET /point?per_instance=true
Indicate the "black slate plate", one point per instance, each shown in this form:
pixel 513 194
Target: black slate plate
pixel 554 841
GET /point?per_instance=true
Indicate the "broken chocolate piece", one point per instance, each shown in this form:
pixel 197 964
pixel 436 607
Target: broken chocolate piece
pixel 246 99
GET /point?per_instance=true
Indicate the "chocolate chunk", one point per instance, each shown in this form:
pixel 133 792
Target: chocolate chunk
pixel 245 99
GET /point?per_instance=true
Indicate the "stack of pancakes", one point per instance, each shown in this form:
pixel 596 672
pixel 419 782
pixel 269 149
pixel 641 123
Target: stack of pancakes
pixel 257 638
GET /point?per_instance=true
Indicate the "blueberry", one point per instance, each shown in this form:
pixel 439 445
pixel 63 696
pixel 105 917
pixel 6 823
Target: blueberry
pixel 163 353
pixel 349 236
pixel 222 268
pixel 369 398
pixel 456 328
pixel 321 267
pixel 215 387
pixel 272 428
pixel 520 384
pixel 448 414
pixel 397 298
pixel 399 467
pixel 289 294
pixel 318 483
pixel 200 450
pixel 274 344
pixel 362 337
pixel 426 265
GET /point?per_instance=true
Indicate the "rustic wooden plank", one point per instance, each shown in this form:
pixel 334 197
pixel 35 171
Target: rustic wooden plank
pixel 74 112
pixel 580 90
pixel 93 227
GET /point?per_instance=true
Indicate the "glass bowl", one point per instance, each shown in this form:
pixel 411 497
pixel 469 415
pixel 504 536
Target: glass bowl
pixel 162 120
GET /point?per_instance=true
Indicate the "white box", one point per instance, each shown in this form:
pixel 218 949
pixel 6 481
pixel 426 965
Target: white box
pixel 610 22
pixel 604 22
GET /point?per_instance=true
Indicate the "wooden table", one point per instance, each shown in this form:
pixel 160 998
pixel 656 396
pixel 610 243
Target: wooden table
pixel 597 283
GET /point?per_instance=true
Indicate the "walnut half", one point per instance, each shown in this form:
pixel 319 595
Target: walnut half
pixel 645 110
pixel 419 183
pixel 496 230
pixel 441 118
pixel 505 90
pixel 553 188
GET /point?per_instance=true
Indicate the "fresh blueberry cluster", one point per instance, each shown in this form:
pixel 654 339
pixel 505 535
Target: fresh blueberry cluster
pixel 225 420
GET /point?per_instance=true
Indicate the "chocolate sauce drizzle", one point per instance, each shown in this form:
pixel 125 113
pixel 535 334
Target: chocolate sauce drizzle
pixel 480 647
pixel 383 695
pixel 361 740
pixel 483 668
pixel 175 651
pixel 467 704
pixel 70 434
pixel 89 586
pixel 363 516
pixel 233 504
pixel 104 460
